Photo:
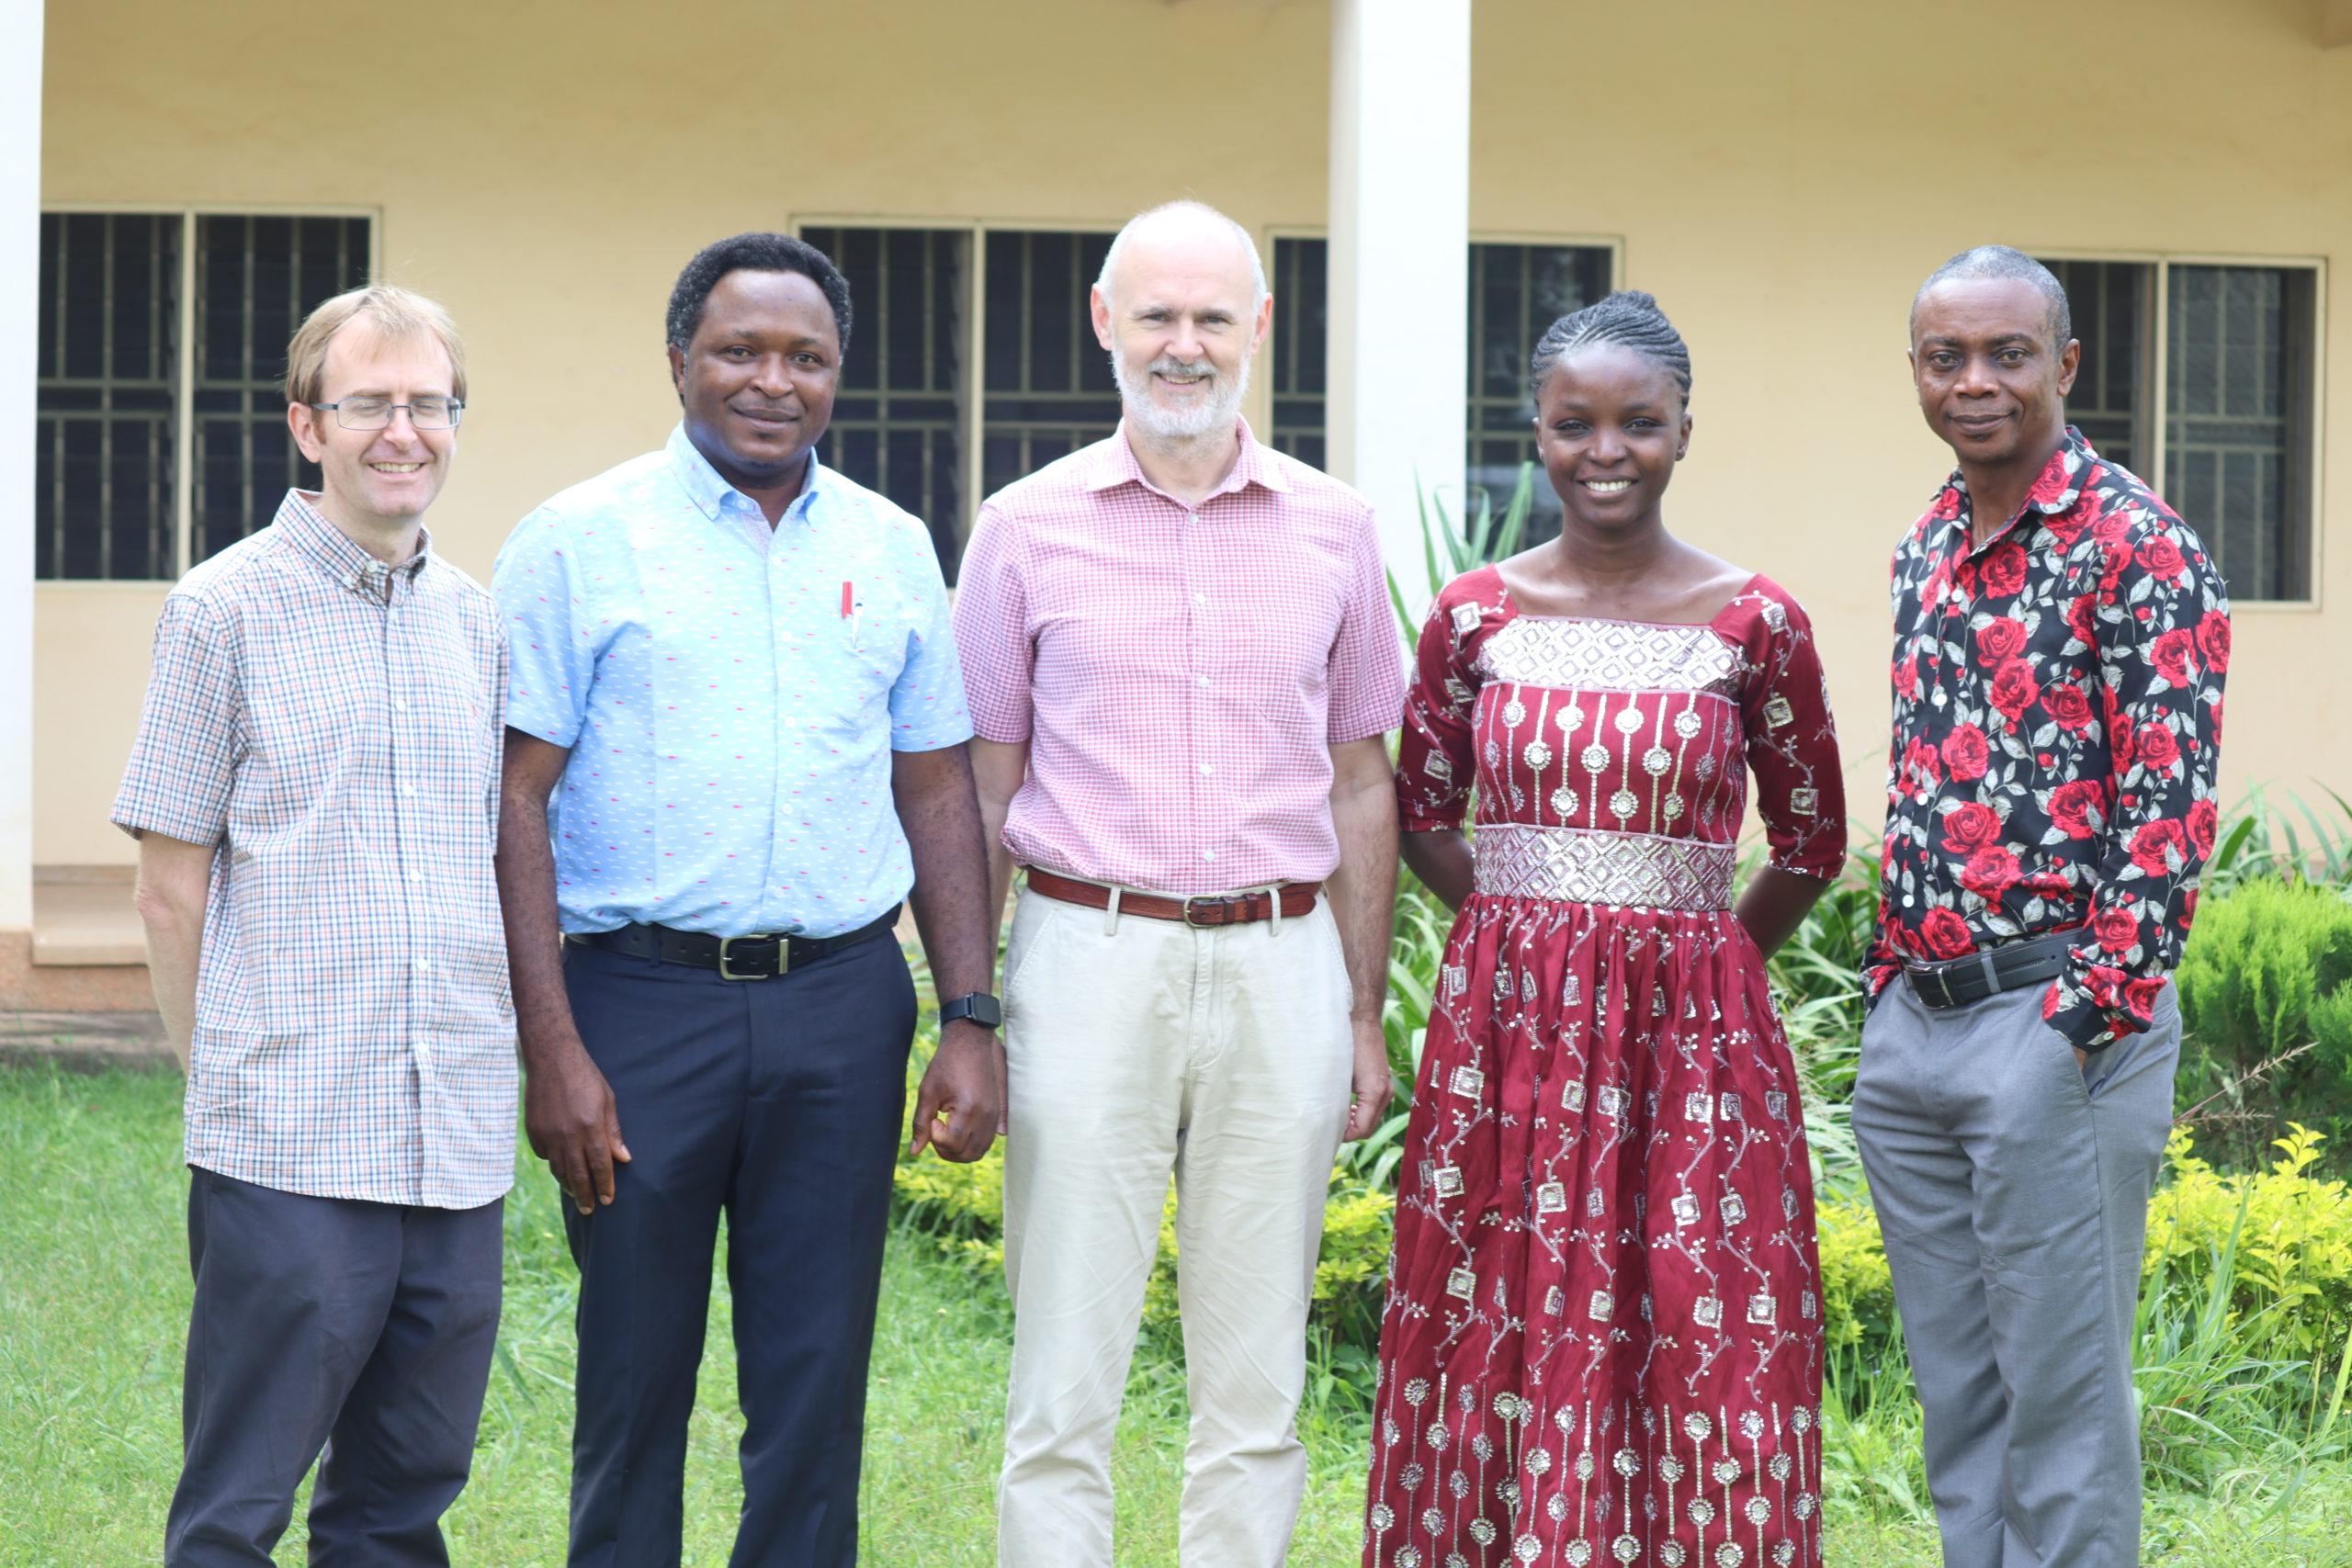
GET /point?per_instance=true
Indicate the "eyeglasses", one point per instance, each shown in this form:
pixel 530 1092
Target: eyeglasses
pixel 376 413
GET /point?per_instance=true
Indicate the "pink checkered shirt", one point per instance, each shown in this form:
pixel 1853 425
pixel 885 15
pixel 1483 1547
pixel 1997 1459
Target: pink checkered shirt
pixel 333 724
pixel 1178 673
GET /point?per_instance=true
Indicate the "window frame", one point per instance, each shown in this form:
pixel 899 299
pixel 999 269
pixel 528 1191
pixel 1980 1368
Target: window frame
pixel 971 393
pixel 2156 419
pixel 184 370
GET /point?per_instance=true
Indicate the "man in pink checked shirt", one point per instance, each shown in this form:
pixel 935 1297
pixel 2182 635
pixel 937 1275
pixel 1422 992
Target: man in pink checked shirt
pixel 1180 665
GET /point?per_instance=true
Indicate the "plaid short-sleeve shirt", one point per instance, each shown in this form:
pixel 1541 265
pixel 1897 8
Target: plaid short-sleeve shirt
pixel 333 725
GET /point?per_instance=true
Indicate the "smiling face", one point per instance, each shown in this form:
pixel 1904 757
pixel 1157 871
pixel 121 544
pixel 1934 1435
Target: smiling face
pixel 1181 320
pixel 377 483
pixel 1609 426
pixel 1992 382
pixel 757 381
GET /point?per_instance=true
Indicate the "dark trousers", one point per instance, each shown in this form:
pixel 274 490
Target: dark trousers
pixel 778 1102
pixel 363 1329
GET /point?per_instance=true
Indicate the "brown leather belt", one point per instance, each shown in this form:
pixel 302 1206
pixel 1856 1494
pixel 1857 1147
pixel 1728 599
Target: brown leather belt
pixel 1204 910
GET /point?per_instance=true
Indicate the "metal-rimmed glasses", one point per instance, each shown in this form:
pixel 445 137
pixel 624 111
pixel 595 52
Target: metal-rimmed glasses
pixel 376 413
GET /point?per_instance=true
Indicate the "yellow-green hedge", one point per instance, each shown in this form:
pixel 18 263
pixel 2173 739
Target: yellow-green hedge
pixel 2292 1264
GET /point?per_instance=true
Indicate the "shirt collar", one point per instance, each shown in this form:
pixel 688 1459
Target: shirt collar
pixel 300 519
pixel 710 492
pixel 1113 463
pixel 2053 492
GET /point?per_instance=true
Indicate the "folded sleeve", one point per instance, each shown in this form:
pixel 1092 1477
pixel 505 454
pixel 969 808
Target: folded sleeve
pixel 550 629
pixel 991 622
pixel 1436 764
pixel 191 730
pixel 1793 740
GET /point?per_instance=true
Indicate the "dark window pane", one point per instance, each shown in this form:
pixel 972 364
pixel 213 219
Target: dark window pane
pixel 2237 421
pixel 256 278
pixel 901 432
pixel 1517 291
pixel 108 353
pixel 2113 306
pixel 1301 345
pixel 1049 388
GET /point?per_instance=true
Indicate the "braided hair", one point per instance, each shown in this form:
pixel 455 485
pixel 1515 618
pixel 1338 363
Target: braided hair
pixel 1627 318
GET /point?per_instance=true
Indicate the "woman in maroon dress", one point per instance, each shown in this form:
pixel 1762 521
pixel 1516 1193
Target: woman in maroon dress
pixel 1602 1340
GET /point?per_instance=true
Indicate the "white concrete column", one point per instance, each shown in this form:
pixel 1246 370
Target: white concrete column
pixel 1400 262
pixel 20 68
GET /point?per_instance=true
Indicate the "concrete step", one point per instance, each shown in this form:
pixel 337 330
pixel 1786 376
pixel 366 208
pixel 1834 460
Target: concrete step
pixel 82 914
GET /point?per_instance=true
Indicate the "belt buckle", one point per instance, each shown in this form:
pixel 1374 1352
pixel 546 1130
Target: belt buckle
pixel 1925 976
pixel 1222 900
pixel 783 956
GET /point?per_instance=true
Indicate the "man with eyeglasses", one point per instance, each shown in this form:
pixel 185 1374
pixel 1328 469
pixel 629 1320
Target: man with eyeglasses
pixel 314 792
pixel 736 745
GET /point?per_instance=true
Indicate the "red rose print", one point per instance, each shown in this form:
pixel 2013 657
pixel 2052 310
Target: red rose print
pixel 2157 845
pixel 1990 872
pixel 2079 805
pixel 2111 526
pixel 2163 558
pixel 2003 573
pixel 1971 827
pixel 2171 652
pixel 2013 689
pixel 2213 642
pixel 2067 707
pixel 2000 639
pixel 2140 998
pixel 2116 930
pixel 1946 505
pixel 2082 619
pixel 2204 823
pixel 2120 751
pixel 1906 678
pixel 1945 935
pixel 1919 766
pixel 2119 558
pixel 1965 751
pixel 2159 748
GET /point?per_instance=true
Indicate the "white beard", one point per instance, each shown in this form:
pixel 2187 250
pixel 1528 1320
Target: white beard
pixel 1208 416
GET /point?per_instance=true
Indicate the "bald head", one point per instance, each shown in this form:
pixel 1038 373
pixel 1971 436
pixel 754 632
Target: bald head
pixel 1191 236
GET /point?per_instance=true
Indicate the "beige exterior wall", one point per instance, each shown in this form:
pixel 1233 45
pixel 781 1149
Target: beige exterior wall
pixel 1780 176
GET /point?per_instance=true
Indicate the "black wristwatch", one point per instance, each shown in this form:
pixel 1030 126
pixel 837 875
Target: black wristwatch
pixel 980 1007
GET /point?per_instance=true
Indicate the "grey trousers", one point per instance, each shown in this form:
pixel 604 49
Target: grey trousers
pixel 2012 1188
pixel 362 1329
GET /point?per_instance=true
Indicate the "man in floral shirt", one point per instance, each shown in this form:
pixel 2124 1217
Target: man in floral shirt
pixel 2060 643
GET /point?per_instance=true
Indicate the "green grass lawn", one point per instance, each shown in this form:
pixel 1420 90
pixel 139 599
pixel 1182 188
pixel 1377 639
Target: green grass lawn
pixel 94 1292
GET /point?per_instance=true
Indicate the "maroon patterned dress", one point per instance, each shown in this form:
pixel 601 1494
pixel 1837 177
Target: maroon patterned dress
pixel 1603 1331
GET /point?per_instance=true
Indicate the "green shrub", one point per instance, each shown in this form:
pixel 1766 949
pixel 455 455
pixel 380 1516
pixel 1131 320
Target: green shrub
pixel 2269 969
pixel 2284 1234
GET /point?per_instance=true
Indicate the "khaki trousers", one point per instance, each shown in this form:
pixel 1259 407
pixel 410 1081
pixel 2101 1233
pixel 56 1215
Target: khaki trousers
pixel 1139 1048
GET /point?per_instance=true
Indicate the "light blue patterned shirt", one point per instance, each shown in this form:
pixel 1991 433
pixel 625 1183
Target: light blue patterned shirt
pixel 730 726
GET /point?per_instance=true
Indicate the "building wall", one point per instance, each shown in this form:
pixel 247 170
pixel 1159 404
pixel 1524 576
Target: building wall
pixel 1781 176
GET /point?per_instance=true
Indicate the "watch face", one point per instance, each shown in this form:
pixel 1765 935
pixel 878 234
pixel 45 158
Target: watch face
pixel 980 1007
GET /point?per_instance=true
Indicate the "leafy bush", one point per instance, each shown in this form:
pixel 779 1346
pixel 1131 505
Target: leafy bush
pixel 2267 970
pixel 2284 1234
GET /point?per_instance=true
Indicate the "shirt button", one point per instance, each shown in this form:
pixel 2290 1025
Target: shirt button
pixel 1200 598
pixel 408 789
pixel 1206 769
pixel 1208 855
pixel 423 966
pixel 1200 680
pixel 400 704
pixel 416 876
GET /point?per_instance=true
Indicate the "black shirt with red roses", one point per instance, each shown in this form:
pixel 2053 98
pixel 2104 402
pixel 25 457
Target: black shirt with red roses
pixel 2057 737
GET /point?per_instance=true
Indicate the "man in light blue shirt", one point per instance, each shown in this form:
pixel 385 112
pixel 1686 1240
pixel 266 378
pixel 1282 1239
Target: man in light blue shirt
pixel 735 745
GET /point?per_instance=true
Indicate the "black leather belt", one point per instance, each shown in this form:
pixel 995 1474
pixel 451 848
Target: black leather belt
pixel 735 957
pixel 1957 982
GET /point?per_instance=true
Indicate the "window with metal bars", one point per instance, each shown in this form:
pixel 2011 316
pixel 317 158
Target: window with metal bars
pixel 2229 444
pixel 898 415
pixel 161 426
pixel 1516 291
pixel 1046 388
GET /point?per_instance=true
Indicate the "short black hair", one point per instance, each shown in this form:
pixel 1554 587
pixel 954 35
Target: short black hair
pixel 1627 318
pixel 753 253
pixel 2000 261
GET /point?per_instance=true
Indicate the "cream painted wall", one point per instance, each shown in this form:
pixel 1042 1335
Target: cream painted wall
pixel 1781 177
